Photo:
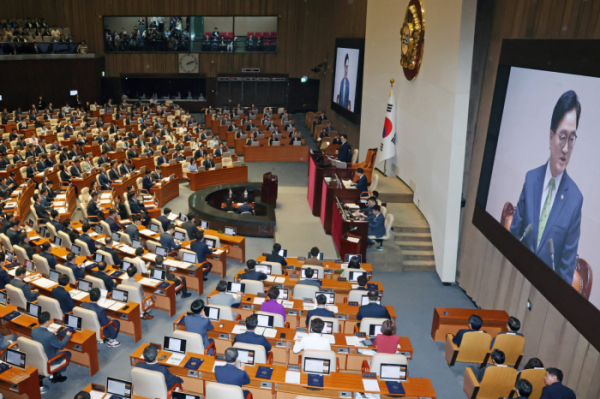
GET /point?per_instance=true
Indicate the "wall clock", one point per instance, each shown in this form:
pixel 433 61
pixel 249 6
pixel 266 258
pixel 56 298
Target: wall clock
pixel 189 63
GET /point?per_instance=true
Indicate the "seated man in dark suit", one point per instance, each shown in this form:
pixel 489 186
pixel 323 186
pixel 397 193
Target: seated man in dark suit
pixel 275 257
pixel 40 211
pixel 30 171
pixel 252 274
pixel 87 239
pixel 190 225
pixel 230 374
pixel 52 345
pixel 164 220
pixel 199 324
pixel 138 207
pixel 30 295
pixel 109 283
pixel 105 183
pixel 376 224
pixel 201 249
pixel 208 163
pixel 309 280
pixel 497 357
pixel 45 253
pixel 250 337
pixel 167 240
pixel 112 220
pixel 78 272
pixel 147 183
pixel 113 252
pixel 321 310
pixel 362 184
pixel 110 332
pixel 245 208
pixel 373 309
pixel 475 324
pixel 93 210
pixel 150 354
pixel 62 295
pixel 132 230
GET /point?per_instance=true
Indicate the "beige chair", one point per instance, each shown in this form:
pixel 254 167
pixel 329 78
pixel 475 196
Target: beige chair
pixel 374 182
pixel 96 282
pixel 512 345
pixel 52 230
pixel 336 322
pixel 146 302
pixel 194 343
pixel 105 228
pixel 276 268
pixel 216 390
pixel 498 381
pixel 52 306
pixel 21 254
pixel 320 269
pixel 260 354
pixel 66 240
pixel 474 348
pixel 36 357
pixel 85 251
pixel 16 296
pixel 184 232
pixel 253 287
pixel 277 319
pixel 66 270
pixel 157 222
pixel 305 291
pixel 373 365
pixel 225 312
pixel 89 321
pixel 389 223
pixel 125 239
pixel 150 384
pixel 356 296
pixel 151 245
pixel 23 171
pixel 6 242
pixel 41 265
pixel 355 156
pixel 536 377
pixel 319 354
pixel 106 256
pixel 33 214
pixel 367 322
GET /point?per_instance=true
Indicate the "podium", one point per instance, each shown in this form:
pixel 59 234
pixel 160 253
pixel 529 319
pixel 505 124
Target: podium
pixel 345 231
pixel 269 189
pixel 318 169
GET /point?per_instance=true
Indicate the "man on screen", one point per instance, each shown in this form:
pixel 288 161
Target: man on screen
pixel 550 200
pixel 344 94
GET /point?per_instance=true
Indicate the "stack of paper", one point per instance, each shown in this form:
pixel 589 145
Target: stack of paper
pixel 106 303
pixel 53 327
pixel 332 308
pixel 56 204
pixel 150 256
pixel 44 282
pixel 175 359
pixel 105 201
pixel 105 196
pixel 117 306
pixel 271 279
pixel 288 304
pixel 125 221
pixel 34 238
pixel 127 249
pixel 87 263
pixel 58 197
pixel 238 329
pixel 352 340
pixel 292 377
pixel 147 232
pixel 355 286
pixel 270 333
pixel 94 234
pixel 258 301
pixel 79 295
pixel 331 338
pixel 309 306
pixel 172 216
pixel 30 276
pixel 149 281
pixel 371 385
pixel 353 239
pixel 62 210
pixel 217 252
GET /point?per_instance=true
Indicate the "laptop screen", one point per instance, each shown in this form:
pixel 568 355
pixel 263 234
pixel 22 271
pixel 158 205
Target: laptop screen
pixel 83 285
pixel 3 298
pixel 266 269
pixel 204 224
pixel 98 229
pixel 116 237
pixel 230 231
pixel 374 330
pixel 161 251
pixel 73 321
pixel 189 257
pixel 283 252
pixel 125 265
pixel 353 276
pixel 29 265
pixel 212 313
pixel 316 366
pixel 15 358
pixel 283 293
pixel 118 387
pixel 329 295
pixel 315 274
pixel 57 241
pixel 393 372
pixel 9 256
pixel 210 243
pixel 76 249
pixel 98 257
pixel 179 236
pixel 42 232
pixel 120 295
pixel 265 321
pixel 319 256
pixel 174 345
pixel 349 257
pixel 33 310
pixel 158 274
pixel 236 287
pixel 245 356
pixel 182 217
pixel 365 300
pixel 54 275
pixel 136 244
pixel 154 227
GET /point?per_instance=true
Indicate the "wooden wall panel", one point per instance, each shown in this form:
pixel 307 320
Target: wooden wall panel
pixel 549 335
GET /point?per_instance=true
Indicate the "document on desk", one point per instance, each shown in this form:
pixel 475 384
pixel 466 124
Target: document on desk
pixel 105 196
pixel 332 308
pixel 147 232
pixel 217 251
pixel 331 338
pixel 126 248
pixel 271 279
pixel 80 295
pixel 106 303
pixel 44 282
pixel 105 201
pixel 352 340
pixel 97 395
pixel 292 377
pixel 258 301
pixel 353 239
pixel 150 256
pixel 279 280
pixel 270 333
pixel 309 306
pixel 288 304
pixel 238 329
pixel 371 385
pixel 35 238
pixel 63 210
pixel 259 330
pixel 117 306
pixel 58 204
pixel 175 359
pixel 149 281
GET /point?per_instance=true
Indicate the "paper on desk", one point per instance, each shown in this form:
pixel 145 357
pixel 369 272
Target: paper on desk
pixel 258 301
pixel 106 303
pixel 270 333
pixel 175 359
pixel 12 271
pixel 288 304
pixel 61 197
pixel 125 221
pixel 79 296
pixel 149 281
pixel 309 306
pixel 97 395
pixel 94 234
pixel 259 330
pixel 126 248
pixel 331 338
pixel 117 306
pixel 332 308
pixel 150 256
pixel 147 232
pixel 352 206
pixel 217 252
pixel 353 239
pixel 279 280
pixel 299 335
pixel 355 286
pixel 87 263
pixel 292 377
pixel 105 196
pixel 30 276
pixel 238 329
pixel 370 385
pixel 218 363
pixel 352 340
pixel 271 279
pixel 34 238
pixel 105 201
pixel 58 204
pixel 172 216
pixel 62 210
pixel 54 327
pixel 44 282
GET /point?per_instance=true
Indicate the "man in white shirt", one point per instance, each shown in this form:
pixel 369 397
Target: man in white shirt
pixel 314 340
pixel 140 262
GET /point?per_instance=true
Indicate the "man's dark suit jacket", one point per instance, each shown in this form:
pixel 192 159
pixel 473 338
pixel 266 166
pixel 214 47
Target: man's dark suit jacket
pixel 250 337
pixel 362 184
pixel 322 312
pixel 114 254
pixel 170 379
pixel 132 230
pixel 275 257
pixel 563 225
pixel 63 298
pixel 244 208
pixel 93 210
pixel 4 278
pixel 77 271
pixel 201 250
pixel 557 391
pixel 164 221
pixel 113 175
pixel 190 228
pixel 90 243
pixel 58 226
pixel 229 374
pixel 29 295
pixel 50 258
pixel 373 310
pixel 104 180
pixel 345 153
pixel 112 224
pixel 49 341
pixel 108 282
pixel 40 211
pixel 253 275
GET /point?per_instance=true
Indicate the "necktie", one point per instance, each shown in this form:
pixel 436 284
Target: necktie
pixel 545 212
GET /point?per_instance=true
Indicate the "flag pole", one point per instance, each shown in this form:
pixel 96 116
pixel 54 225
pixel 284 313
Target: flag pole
pixel 385 171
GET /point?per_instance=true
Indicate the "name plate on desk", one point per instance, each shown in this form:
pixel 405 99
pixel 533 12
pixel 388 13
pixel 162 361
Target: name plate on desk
pixel 246 307
pixel 369 375
pixel 292 312
pixel 352 303
pixel 345 394
pixel 302 329
pixel 301 258
pixel 261 295
pixel 343 350
pixel 223 336
pixel 339 261
pixel 341 317
pixel 328 271
pixel 216 257
pixel 280 344
pixel 289 268
pixel 360 334
pixel 342 279
pixel 293 276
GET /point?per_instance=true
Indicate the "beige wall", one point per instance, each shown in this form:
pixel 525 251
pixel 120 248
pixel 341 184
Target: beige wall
pixel 243 25
pixel 432 110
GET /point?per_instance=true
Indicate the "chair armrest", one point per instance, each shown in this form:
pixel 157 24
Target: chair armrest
pixel 287 324
pixel 211 345
pixel 356 329
pixel 451 350
pixel 2 352
pixel 299 360
pixel 90 217
pixel 175 386
pixel 365 366
pixel 270 358
pixel 249 396
pixel 470 384
pixel 110 323
pixel 346 299
pixel 238 317
pixel 337 365
pixel 148 303
pixel 56 358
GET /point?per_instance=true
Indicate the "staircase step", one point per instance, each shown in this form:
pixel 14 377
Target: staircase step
pixel 416 245
pixel 412 237
pixel 408 229
pixel 418 265
pixel 417 255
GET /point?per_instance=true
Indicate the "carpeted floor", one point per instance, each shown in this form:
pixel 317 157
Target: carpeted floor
pixel 413 294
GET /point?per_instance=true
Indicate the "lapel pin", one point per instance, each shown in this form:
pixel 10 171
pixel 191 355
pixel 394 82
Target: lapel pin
pixel 562 197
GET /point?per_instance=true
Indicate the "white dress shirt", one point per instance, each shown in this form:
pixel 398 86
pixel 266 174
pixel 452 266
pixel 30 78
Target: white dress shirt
pixel 141 264
pixel 313 341
pixel 547 178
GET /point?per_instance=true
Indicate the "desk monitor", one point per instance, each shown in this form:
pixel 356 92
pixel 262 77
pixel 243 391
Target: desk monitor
pixel 393 372
pixel 16 358
pixel 120 295
pixel 54 275
pixel 136 244
pixel 327 327
pixel 57 241
pixel 374 330
pixel 3 298
pixel 189 257
pixel 72 321
pixel 174 345
pixel 329 295
pixel 184 395
pixel 212 313
pixel 33 310
pixel 365 300
pixel 120 388
pixel 98 229
pixel 29 265
pixel 265 320
pixel 316 366
pixel 158 274
pixel 283 253
pixel 204 224
pixel 179 236
pixel 209 242
pixel 182 217
pixel 10 257
pixel 83 285
pixel 126 265
pixel 42 232
pixel 348 257
pixel 76 249
pixel 161 251
pixel 315 274
pixel 236 287
pixel 284 293
pixel 98 257
pixel 266 269
pixel 245 356
pixel 116 237
pixel 154 227
pixel 353 276
pixel 230 231
pixel 319 256
pixel 275 143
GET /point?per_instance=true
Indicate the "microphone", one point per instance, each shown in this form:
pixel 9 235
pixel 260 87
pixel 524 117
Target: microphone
pixel 527 231
pixel 551 248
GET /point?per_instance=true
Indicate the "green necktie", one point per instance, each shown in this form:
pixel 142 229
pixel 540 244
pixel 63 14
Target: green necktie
pixel 545 212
